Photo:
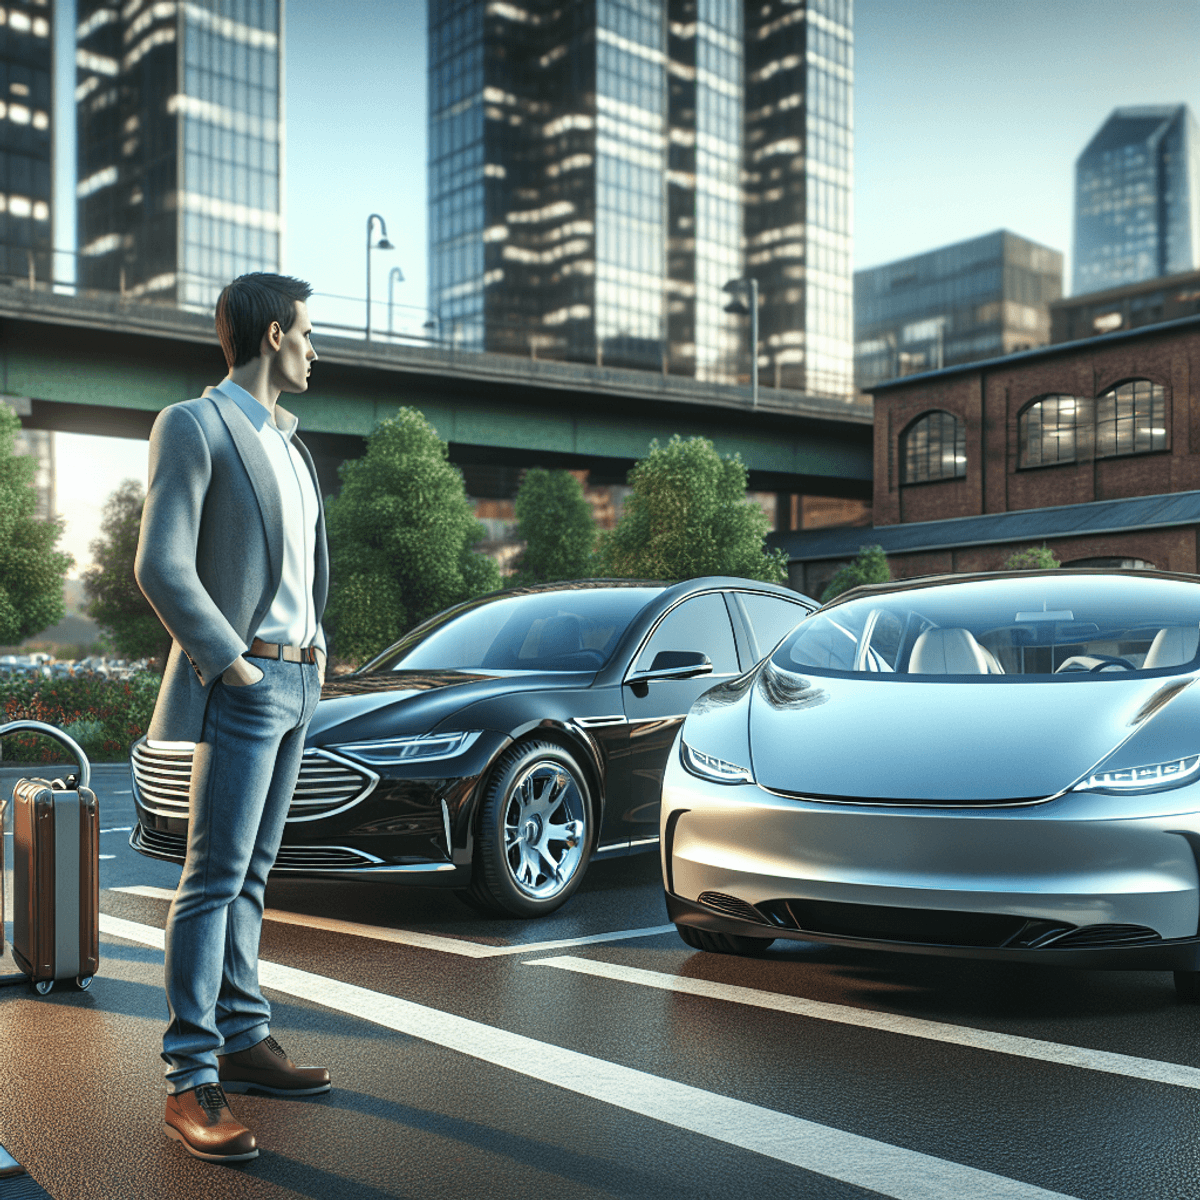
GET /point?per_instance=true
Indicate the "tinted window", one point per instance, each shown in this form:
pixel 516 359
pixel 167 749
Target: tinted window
pixel 701 623
pixel 547 631
pixel 769 618
pixel 1062 627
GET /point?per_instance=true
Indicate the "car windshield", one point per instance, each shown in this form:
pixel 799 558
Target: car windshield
pixel 541 631
pixel 1032 627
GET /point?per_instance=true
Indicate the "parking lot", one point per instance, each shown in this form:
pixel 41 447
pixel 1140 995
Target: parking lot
pixel 593 1054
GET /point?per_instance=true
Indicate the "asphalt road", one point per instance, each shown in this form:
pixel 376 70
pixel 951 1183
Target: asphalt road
pixel 476 1058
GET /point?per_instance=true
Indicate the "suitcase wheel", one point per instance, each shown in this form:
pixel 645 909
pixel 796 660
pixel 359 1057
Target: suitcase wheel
pixel 83 982
pixel 43 986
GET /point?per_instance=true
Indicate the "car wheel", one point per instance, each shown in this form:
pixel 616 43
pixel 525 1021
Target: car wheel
pixel 536 832
pixel 723 943
pixel 1187 986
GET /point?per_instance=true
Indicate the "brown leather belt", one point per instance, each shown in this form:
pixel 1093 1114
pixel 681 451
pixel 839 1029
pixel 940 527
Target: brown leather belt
pixel 296 654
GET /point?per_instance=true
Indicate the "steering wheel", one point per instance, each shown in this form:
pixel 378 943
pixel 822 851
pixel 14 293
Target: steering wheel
pixel 1110 660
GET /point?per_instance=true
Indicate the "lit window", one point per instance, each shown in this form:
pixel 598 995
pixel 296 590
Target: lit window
pixel 1131 419
pixel 934 447
pixel 1048 430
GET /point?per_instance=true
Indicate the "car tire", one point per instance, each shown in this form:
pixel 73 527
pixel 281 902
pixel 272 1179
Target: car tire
pixel 536 832
pixel 723 943
pixel 1187 986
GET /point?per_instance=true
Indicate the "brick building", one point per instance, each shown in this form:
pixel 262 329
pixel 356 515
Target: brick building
pixel 1092 447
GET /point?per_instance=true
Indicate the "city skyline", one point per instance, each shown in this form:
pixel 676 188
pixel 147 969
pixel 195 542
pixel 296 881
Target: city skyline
pixel 968 118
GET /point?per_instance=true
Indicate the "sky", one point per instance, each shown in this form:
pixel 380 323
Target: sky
pixel 969 115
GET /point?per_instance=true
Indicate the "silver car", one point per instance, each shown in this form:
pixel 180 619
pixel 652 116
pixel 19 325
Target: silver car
pixel 1001 766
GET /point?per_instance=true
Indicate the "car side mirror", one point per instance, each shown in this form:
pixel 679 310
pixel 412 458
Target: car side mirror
pixel 675 664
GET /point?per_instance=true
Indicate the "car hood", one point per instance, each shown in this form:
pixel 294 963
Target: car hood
pixel 891 740
pixel 396 703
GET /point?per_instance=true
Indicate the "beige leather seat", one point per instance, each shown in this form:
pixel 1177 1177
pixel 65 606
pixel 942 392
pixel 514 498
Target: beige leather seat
pixel 947 652
pixel 1172 646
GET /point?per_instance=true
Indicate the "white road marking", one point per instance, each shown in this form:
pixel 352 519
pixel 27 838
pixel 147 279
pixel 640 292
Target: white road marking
pixel 108 856
pixel 957 1035
pixel 848 1157
pixel 423 941
pixel 119 829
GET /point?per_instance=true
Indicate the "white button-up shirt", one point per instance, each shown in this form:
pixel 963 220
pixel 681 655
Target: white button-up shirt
pixel 292 619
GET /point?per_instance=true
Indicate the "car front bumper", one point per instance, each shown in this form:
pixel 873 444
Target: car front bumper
pixel 1084 880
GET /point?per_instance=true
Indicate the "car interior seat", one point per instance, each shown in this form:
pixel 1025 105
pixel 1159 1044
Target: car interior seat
pixel 947 652
pixel 1172 646
pixel 560 635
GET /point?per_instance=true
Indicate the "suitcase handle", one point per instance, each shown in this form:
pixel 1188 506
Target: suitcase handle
pixel 57 735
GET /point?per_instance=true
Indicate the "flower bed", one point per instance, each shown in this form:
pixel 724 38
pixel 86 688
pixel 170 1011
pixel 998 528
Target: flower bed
pixel 104 716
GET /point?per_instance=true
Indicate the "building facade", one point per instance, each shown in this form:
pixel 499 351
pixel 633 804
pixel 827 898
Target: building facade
pixel 1091 448
pixel 973 300
pixel 180 145
pixel 1137 198
pixel 599 171
pixel 26 107
pixel 1127 307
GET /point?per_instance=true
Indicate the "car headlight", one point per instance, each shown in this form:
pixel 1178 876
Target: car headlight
pixel 425 747
pixel 1155 777
pixel 708 766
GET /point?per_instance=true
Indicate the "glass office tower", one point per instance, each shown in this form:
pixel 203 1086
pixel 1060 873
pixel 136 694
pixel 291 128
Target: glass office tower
pixel 1137 198
pixel 585 182
pixel 180 124
pixel 25 108
pixel 962 303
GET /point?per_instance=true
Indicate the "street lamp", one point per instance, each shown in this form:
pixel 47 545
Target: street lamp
pixel 395 275
pixel 382 244
pixel 745 300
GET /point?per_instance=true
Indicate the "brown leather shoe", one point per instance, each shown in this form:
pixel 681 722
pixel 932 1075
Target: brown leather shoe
pixel 266 1068
pixel 201 1120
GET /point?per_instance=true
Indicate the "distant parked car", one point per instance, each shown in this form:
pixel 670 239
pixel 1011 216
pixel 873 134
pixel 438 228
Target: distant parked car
pixel 502 744
pixel 995 766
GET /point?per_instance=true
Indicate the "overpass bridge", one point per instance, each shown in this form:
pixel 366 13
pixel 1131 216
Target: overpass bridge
pixel 104 365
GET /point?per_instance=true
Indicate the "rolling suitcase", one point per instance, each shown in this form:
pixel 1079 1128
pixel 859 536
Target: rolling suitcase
pixel 56 873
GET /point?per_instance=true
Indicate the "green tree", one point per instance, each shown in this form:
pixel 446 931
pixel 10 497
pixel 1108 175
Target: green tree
pixel 871 566
pixel 31 570
pixel 1032 558
pixel 688 515
pixel 116 603
pixel 555 521
pixel 400 538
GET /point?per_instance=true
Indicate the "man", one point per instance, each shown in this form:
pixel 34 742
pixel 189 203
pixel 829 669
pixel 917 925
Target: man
pixel 232 556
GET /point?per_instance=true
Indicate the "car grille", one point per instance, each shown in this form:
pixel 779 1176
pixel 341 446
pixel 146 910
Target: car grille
pixel 326 784
pixel 731 906
pixel 1108 935
pixel 290 858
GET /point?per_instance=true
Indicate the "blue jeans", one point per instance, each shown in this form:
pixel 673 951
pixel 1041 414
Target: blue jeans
pixel 243 775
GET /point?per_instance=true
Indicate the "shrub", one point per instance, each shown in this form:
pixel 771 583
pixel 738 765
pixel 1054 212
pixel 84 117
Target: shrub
pixel 104 716
pixel 688 515
pixel 871 566
pixel 555 521
pixel 1033 558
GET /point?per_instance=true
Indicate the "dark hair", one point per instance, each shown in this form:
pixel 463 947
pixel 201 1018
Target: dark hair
pixel 247 307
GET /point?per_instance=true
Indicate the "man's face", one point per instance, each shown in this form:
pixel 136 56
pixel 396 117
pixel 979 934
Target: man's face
pixel 293 362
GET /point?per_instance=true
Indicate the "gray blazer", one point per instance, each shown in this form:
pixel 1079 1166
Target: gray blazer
pixel 210 554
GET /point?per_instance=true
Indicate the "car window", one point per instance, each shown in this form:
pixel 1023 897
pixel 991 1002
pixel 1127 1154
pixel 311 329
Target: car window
pixel 571 630
pixel 769 618
pixel 701 623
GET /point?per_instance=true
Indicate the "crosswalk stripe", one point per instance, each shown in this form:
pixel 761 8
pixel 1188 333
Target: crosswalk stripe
pixel 848 1157
pixel 423 941
pixel 957 1035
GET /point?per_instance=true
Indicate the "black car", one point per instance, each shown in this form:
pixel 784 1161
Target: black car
pixel 502 744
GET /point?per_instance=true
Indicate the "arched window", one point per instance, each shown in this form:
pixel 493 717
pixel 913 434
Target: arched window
pixel 1131 419
pixel 1048 430
pixel 934 447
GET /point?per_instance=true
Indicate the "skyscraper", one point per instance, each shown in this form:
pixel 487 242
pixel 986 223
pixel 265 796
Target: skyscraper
pixel 598 172
pixel 973 300
pixel 1137 198
pixel 180 120
pixel 25 108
